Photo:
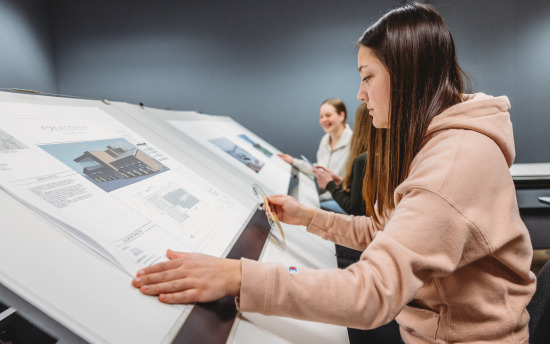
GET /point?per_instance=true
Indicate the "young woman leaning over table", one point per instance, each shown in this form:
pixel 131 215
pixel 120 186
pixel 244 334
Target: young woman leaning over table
pixel 445 252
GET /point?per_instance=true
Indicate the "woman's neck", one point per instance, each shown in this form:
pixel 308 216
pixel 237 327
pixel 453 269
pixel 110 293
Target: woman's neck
pixel 335 137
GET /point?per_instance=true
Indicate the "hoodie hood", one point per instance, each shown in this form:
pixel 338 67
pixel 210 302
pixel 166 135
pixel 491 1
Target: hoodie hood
pixel 482 113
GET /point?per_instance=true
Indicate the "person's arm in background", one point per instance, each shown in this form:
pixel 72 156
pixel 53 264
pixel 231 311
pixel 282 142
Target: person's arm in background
pixel 303 166
pixel 351 201
pixel 289 159
pixel 299 164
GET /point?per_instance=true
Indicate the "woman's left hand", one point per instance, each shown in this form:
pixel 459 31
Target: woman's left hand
pixel 190 278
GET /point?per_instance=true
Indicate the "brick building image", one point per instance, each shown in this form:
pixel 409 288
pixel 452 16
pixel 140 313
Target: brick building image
pixel 117 163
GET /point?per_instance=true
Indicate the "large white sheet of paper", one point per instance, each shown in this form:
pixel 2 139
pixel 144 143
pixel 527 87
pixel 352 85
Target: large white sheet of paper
pixel 254 161
pixel 104 184
pixel 251 140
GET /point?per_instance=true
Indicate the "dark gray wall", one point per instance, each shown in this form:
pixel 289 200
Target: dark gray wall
pixel 267 63
pixel 27 59
pixel 505 47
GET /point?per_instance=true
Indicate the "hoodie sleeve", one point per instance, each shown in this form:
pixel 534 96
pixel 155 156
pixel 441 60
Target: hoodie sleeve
pixel 355 232
pixel 426 237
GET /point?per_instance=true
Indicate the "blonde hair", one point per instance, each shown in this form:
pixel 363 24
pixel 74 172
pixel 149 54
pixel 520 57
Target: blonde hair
pixel 338 105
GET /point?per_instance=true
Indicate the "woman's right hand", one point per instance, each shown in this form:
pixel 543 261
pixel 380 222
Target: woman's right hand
pixel 290 211
pixel 288 158
pixel 323 176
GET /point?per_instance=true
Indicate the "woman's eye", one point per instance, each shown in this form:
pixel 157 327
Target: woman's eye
pixel 365 79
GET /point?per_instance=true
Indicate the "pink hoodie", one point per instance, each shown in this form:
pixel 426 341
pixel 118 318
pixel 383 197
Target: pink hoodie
pixel 450 263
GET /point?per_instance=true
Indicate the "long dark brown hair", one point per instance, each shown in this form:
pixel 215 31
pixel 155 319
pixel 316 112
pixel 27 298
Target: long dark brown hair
pixel 416 47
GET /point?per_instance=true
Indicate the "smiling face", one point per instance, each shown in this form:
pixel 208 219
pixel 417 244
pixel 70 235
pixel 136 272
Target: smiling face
pixel 331 121
pixel 375 87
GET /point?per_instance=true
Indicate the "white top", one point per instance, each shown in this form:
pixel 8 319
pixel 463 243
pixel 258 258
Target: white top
pixel 333 159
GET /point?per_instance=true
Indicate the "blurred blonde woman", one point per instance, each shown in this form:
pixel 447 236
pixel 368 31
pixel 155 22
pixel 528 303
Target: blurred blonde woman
pixel 333 151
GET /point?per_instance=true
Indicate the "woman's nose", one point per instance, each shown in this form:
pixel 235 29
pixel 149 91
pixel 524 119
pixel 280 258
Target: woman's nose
pixel 362 96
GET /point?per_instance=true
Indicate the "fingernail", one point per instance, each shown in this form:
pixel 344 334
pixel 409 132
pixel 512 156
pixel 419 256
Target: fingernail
pixel 145 288
pixel 137 281
pixel 141 272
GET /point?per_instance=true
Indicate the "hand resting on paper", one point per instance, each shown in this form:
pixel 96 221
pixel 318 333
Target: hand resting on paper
pixel 196 277
pixel 190 278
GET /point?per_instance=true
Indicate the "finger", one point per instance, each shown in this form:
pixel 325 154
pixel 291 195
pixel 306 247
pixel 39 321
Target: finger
pixel 164 266
pixel 174 254
pixel 279 212
pixel 159 277
pixel 185 296
pixel 166 287
pixel 278 199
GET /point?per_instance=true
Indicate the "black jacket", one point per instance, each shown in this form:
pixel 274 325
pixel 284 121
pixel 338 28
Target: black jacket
pixel 351 201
